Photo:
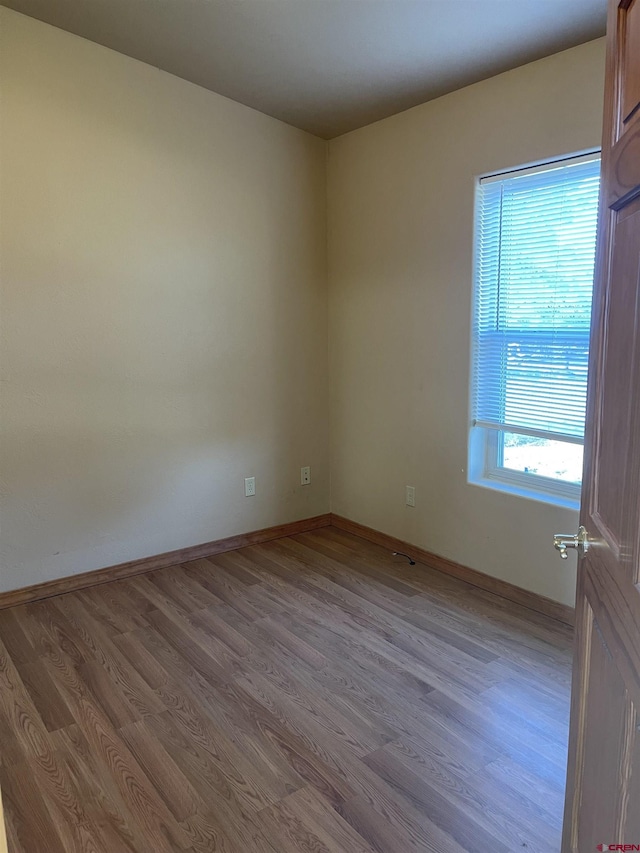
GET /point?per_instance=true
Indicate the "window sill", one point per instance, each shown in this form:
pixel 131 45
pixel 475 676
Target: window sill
pixel 524 490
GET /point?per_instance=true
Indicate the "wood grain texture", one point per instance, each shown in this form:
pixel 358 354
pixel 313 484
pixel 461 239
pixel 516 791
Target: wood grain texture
pixel 47 589
pixel 309 693
pixel 517 594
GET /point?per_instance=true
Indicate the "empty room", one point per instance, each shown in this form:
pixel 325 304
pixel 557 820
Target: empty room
pixel 319 426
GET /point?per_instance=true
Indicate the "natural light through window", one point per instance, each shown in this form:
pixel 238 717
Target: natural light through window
pixel 535 240
pixel 543 456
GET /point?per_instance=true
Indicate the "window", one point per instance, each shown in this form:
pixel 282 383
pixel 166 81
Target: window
pixel 535 239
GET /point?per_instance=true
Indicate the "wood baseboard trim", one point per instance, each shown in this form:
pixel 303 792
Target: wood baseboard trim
pixel 533 601
pixel 72 583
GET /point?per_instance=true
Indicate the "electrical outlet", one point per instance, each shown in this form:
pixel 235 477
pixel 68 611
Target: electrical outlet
pixel 410 497
pixel 249 486
pixel 305 476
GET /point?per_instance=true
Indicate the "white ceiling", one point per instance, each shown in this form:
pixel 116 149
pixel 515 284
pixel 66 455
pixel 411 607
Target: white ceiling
pixel 329 66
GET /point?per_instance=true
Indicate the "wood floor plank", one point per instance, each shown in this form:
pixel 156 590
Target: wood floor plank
pixel 163 773
pixel 386 835
pixel 52 632
pixel 473 603
pixel 14 638
pixel 210 743
pixel 224 586
pixel 235 809
pixel 141 660
pixel 305 820
pixel 211 621
pixel 273 743
pixel 375 794
pixel 112 608
pixel 114 760
pixel 32 826
pixel 304 694
pixel 546 797
pixel 103 650
pixel 461 823
pixel 102 798
pixel 490 804
pixel 547 758
pixel 46 697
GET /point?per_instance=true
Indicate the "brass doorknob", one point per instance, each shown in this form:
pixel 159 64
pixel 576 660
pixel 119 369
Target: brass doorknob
pixel 579 541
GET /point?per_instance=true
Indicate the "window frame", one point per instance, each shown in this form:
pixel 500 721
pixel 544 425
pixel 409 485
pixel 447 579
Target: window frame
pixel 525 480
pixel 486 444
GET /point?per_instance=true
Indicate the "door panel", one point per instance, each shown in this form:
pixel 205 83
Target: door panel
pixel 602 760
pixel 615 414
pixel 603 781
pixel 631 60
pixel 615 409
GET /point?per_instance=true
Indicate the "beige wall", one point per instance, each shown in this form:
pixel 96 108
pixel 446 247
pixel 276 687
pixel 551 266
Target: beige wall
pixel 164 311
pixel 400 271
pixel 164 317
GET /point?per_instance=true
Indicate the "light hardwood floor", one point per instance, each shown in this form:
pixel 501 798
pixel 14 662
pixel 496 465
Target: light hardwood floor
pixel 308 694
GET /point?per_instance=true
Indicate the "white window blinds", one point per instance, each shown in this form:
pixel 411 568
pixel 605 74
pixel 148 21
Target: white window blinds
pixel 536 233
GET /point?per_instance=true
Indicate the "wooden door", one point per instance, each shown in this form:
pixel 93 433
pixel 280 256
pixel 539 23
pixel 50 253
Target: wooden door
pixel 603 783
